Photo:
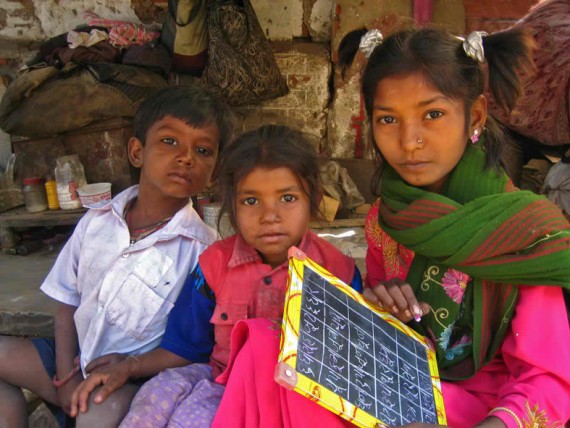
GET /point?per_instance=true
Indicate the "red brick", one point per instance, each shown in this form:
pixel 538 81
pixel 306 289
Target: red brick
pixel 497 9
pixel 488 25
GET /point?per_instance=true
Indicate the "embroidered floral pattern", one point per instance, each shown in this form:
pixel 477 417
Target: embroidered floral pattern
pixel 458 348
pixel 443 341
pixel 536 418
pixel 454 283
pixel 390 252
pixel 396 259
pixel 372 228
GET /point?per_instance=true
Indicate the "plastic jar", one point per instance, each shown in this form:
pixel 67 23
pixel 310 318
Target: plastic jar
pixel 34 195
pixel 51 192
pixel 69 176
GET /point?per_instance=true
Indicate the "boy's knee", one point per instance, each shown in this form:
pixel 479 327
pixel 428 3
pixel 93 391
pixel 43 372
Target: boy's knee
pixel 11 396
pixel 110 412
pixel 13 406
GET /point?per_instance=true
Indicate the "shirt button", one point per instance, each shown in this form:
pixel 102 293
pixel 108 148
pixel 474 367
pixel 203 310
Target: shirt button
pixel 125 254
pixel 224 316
pixel 267 280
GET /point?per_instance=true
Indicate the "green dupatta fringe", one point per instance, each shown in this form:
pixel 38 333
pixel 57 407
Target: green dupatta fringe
pixel 500 239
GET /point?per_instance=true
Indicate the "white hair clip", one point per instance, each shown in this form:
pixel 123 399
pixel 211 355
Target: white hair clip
pixel 369 41
pixel 473 45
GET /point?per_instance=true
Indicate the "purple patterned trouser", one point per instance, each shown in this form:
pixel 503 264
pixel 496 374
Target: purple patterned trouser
pixel 179 397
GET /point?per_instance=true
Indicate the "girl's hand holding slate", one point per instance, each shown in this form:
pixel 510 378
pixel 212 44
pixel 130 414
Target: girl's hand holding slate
pixel 397 297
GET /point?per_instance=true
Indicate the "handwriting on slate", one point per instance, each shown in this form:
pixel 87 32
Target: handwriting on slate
pixel 350 350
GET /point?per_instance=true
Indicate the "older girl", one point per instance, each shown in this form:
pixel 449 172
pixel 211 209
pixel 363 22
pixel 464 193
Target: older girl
pixel 454 248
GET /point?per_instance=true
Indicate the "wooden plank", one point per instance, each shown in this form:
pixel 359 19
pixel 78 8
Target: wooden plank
pixel 344 222
pixel 26 324
pixel 19 217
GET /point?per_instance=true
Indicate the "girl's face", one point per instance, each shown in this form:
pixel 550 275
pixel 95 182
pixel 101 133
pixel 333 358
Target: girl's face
pixel 272 211
pixel 420 131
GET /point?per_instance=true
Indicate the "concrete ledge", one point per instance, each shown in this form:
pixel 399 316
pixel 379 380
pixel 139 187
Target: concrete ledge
pixel 26 324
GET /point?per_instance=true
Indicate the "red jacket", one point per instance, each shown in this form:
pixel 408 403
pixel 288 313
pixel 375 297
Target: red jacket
pixel 245 287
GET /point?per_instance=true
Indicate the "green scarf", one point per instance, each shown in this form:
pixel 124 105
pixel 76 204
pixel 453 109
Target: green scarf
pixel 473 244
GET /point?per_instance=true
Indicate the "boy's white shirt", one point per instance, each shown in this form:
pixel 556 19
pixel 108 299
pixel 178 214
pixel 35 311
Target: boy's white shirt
pixel 124 293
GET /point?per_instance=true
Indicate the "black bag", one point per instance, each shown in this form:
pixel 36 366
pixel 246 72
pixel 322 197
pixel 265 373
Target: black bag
pixel 241 66
pixel 185 35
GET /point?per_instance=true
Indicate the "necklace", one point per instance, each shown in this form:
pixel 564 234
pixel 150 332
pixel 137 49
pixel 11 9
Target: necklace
pixel 143 231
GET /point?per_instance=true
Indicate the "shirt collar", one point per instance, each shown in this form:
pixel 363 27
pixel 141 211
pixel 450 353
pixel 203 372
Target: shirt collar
pixel 244 253
pixel 185 222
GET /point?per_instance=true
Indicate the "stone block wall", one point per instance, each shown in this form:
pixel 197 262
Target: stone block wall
pixel 307 68
pixel 305 33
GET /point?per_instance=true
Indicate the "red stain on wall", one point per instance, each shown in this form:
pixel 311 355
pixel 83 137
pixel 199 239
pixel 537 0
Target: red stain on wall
pixel 356 123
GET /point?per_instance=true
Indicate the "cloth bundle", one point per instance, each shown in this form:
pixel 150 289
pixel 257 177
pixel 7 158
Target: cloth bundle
pixel 48 101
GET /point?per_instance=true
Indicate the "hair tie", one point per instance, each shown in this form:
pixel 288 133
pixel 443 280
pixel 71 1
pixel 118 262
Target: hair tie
pixel 369 41
pixel 473 45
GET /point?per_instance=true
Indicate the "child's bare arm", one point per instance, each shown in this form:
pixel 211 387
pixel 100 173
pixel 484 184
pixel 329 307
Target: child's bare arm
pixel 114 375
pixel 66 349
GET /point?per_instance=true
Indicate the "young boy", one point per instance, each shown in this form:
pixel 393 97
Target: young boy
pixel 119 275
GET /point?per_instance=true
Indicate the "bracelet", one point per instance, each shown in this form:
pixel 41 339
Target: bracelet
pixel 510 412
pixel 59 383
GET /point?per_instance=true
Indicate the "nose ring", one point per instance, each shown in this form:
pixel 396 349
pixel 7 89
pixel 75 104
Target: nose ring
pixel 419 141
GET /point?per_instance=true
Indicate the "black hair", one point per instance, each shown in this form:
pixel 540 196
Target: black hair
pixel 192 104
pixel 440 58
pixel 347 49
pixel 269 146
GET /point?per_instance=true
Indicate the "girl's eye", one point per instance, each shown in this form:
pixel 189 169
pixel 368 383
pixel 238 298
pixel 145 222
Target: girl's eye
pixel 250 201
pixel 170 141
pixel 204 151
pixel 386 119
pixel 288 198
pixel 433 114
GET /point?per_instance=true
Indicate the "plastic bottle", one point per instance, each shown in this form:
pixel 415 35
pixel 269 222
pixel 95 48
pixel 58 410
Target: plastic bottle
pixel 34 195
pixel 51 192
pixel 69 176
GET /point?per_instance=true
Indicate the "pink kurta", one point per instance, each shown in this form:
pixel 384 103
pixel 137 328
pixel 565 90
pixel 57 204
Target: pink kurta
pixel 528 382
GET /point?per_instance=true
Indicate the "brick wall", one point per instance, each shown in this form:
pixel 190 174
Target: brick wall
pixel 329 111
pixel 307 68
pixel 494 15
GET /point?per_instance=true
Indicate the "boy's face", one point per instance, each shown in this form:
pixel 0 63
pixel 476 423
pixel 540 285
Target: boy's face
pixel 177 159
